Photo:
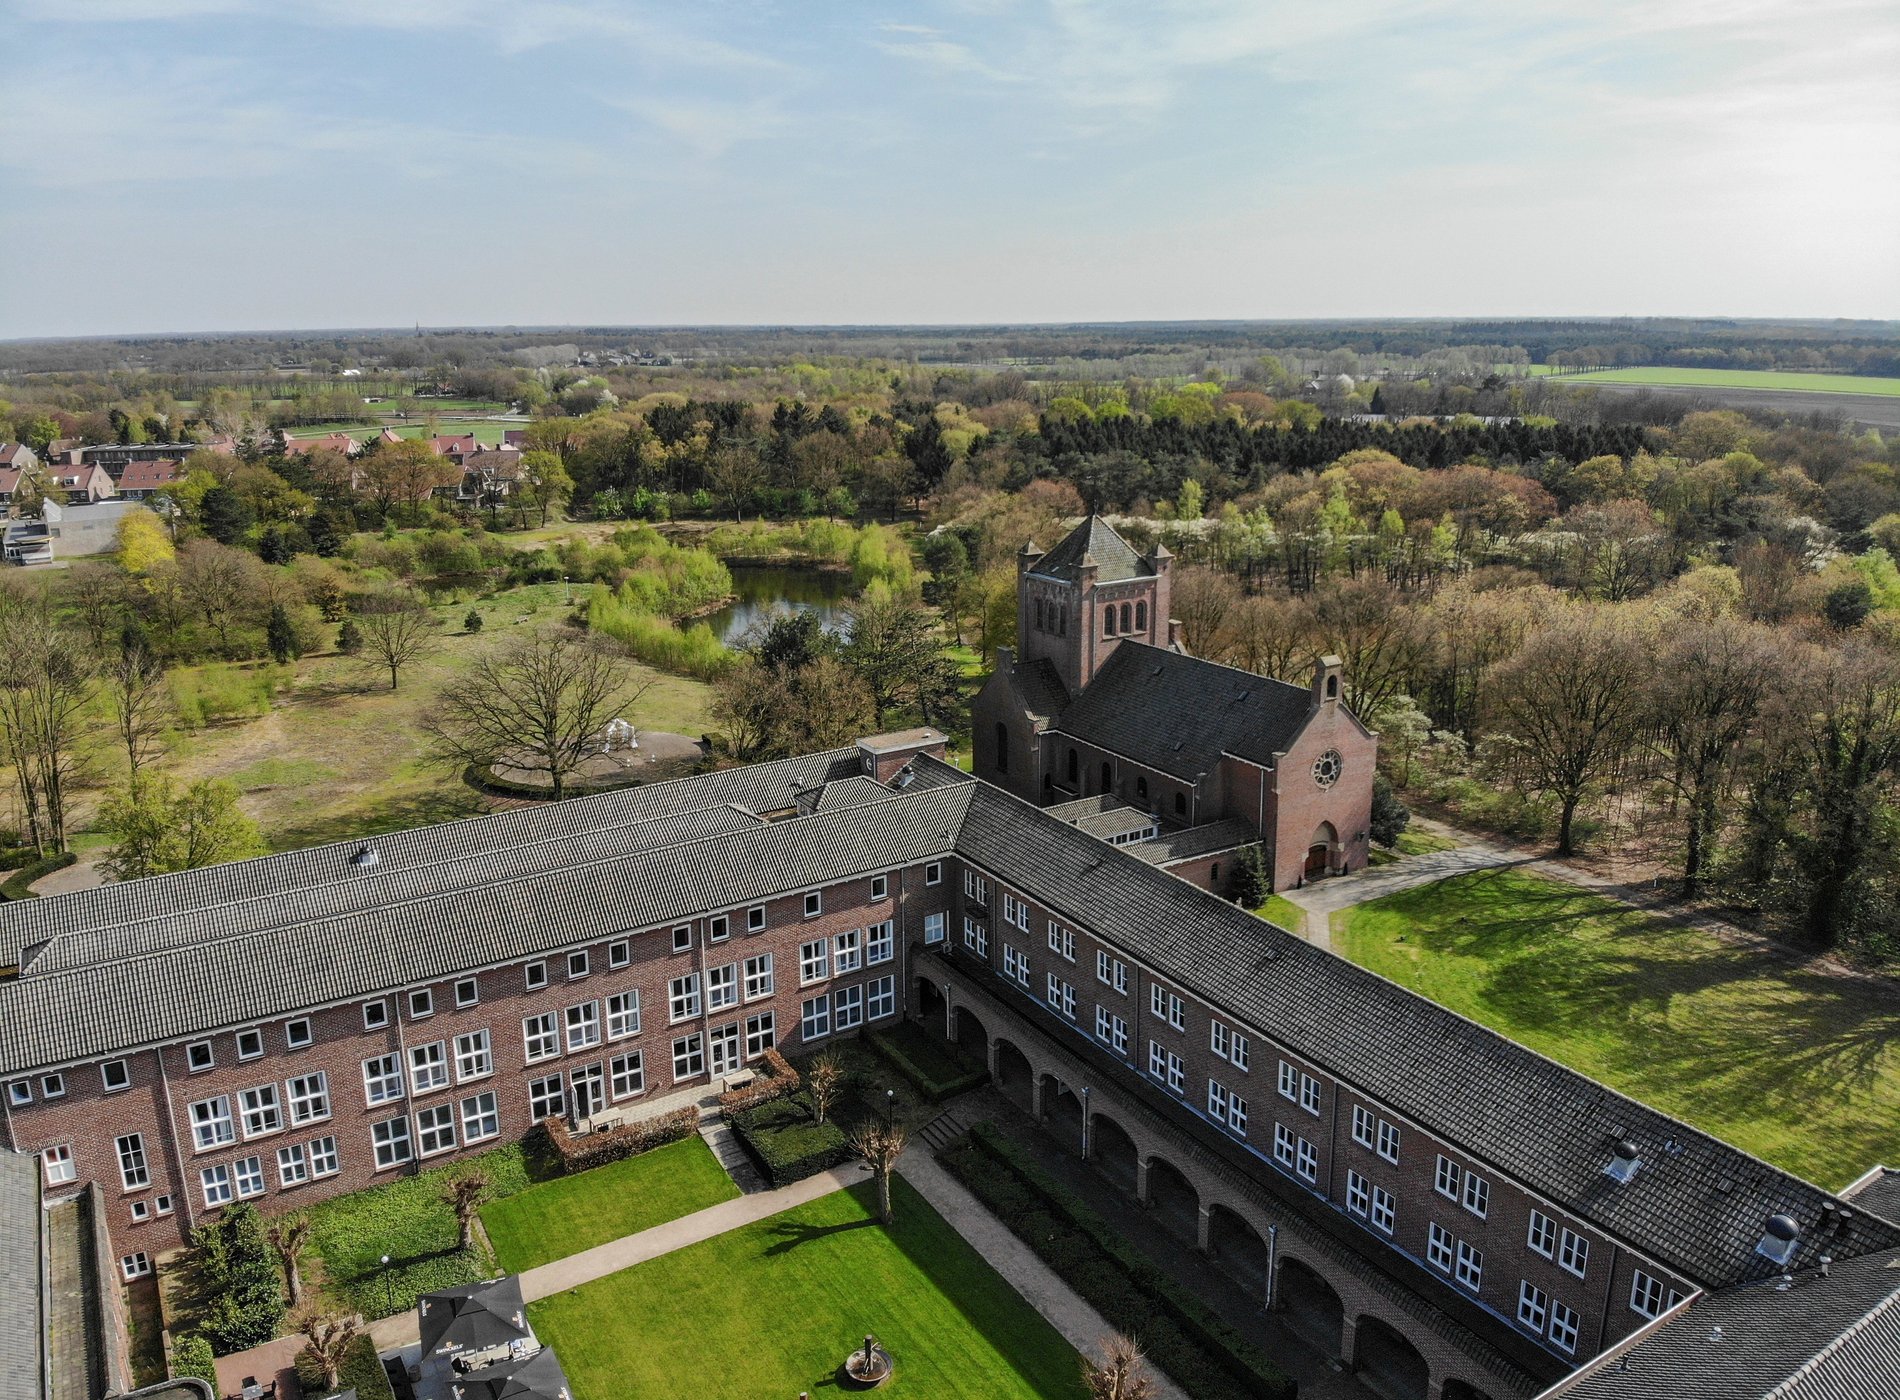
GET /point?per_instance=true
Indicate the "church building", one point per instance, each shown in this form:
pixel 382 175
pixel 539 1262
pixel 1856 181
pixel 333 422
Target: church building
pixel 1099 714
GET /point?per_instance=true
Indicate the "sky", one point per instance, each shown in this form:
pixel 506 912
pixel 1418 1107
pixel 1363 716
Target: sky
pixel 177 165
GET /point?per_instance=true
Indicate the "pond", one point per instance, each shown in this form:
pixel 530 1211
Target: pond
pixel 764 592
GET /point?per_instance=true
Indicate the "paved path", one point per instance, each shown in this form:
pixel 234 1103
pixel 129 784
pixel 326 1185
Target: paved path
pixel 1041 1286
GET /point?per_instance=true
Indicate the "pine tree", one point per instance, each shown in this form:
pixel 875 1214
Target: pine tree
pixel 281 637
pixel 1249 886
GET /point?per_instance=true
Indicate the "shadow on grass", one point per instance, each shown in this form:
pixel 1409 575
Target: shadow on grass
pixel 793 1233
pixel 452 803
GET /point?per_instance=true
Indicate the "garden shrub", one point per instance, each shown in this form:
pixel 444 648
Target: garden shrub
pixel 693 651
pixel 934 1071
pixel 192 1356
pixel 788 1143
pixel 629 1140
pixel 776 1079
pixel 238 1281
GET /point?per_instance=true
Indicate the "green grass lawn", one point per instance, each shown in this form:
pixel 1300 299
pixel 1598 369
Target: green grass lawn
pixel 1783 380
pixel 772 1309
pixel 1282 911
pixel 1412 842
pixel 572 1213
pixel 1797 1065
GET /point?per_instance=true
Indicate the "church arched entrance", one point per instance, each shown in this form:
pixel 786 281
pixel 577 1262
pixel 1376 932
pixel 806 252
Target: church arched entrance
pixel 1320 852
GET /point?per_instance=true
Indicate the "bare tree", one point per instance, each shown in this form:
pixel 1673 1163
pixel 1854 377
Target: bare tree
pixel 1268 636
pixel 397 628
pixel 290 1237
pixel 539 703
pixel 824 1081
pixel 327 1340
pixel 1367 623
pixel 139 702
pixel 1121 1374
pixel 464 1195
pixel 1201 600
pixel 46 681
pixel 878 1146
pixel 223 584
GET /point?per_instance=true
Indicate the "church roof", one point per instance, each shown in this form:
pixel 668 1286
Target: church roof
pixel 1094 542
pixel 1179 714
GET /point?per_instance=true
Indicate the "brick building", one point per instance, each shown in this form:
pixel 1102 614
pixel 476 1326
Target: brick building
pixel 1463 1216
pixel 1098 700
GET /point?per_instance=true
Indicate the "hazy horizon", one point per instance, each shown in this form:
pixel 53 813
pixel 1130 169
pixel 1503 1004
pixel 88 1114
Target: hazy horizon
pixel 221 166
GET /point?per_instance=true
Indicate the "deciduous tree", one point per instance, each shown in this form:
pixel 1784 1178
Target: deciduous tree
pixel 396 630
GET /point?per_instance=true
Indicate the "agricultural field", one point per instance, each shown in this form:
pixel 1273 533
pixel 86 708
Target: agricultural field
pixel 1788 381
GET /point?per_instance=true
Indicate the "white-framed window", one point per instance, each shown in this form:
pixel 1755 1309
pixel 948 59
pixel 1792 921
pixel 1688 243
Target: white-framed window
pixel 933 873
pixel 578 965
pixel 375 1015
pixel 814 1018
pixel 718 928
pixel 847 1008
pixel 135 1265
pixel 814 961
pixel 761 1032
pixel 323 1157
pixel 297 1033
pixel 976 887
pixel 1228 1043
pixel 881 997
pixel 1015 965
pixel 1227 1107
pixel 1166 1066
pixel 623 1014
pixel 1285 1145
pixel 293 1168
pixel 534 976
pixel 682 997
pixel 260 1110
pixel 480 1120
pixel 1358 1194
pixel 1309 1094
pixel 1015 912
pixel 20 1093
pixel 1111 972
pixel 755 919
pixel 52 1086
pixel 421 1004
pixel 309 1096
pixel 428 1067
pixel 390 1138
pixel 134 1172
pixel 211 1122
pixel 250 1044
pixel 382 1079
pixel 934 925
pixel 619 953
pixel 1441 1248
pixel 880 943
pixel 1446 1181
pixel 1289 1082
pixel 435 1129
pixel 1167 1006
pixel 1307 1163
pixel 215 1182
pixel 141 1212
pixel 976 937
pixel 540 1037
pixel 683 938
pixel 758 976
pixel 1533 1306
pixel 1111 1030
pixel 1062 941
pixel 1542 1236
pixel 689 1059
pixel 1470 1271
pixel 583 1025
pixel 247 1176
pixel 627 1075
pixel 200 1057
pixel 1563 1327
pixel 1365 1126
pixel 473 1056
pixel 1389 1141
pixel 546 1097
pixel 814 903
pixel 1061 996
pixel 1476 1197
pixel 114 1076
pixel 1385 1209
pixel 880 888
pixel 468 992
pixel 847 952
pixel 1574 1253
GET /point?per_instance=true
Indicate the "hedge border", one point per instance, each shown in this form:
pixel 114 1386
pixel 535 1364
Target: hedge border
pixel 17 885
pixel 781 1170
pixel 935 1090
pixel 1241 1362
pixel 579 1154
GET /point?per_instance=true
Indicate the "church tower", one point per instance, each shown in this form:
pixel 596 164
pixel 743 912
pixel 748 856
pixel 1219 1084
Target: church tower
pixel 1085 597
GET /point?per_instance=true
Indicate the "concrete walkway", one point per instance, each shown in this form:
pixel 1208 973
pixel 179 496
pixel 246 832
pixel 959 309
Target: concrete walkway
pixel 1043 1289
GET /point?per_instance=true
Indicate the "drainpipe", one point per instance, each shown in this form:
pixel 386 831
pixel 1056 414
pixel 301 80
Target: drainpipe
pixel 1085 1122
pixel 1273 1257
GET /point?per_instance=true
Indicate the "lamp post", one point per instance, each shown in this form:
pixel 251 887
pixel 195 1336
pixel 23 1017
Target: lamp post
pixel 890 1112
pixel 389 1288
pixel 567 585
pixel 1085 1122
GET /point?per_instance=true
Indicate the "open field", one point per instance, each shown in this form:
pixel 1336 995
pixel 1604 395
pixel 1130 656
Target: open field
pixel 485 430
pixel 772 1309
pixel 1785 381
pixel 572 1213
pixel 1799 1065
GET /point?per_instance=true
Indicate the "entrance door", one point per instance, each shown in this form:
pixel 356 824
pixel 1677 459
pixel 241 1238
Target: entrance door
pixel 725 1050
pixel 1316 862
pixel 589 1092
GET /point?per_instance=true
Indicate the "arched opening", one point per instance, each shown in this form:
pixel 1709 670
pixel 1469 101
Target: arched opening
pixel 1048 786
pixel 1332 687
pixel 1112 1151
pixel 1456 1389
pixel 1039 616
pixel 1141 617
pixel 1002 747
pixel 1175 1202
pixel 1386 1362
pixel 1108 621
pixel 1075 768
pixel 1320 852
pixel 1062 1113
pixel 1128 617
pixel 1141 786
pixel 972 1037
pixel 1013 1075
pixel 1180 804
pixel 927 1004
pixel 1311 1306
pixel 1108 778
pixel 1238 1249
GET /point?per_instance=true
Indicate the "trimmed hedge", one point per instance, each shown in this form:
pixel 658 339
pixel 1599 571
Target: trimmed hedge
pixel 785 1140
pixel 923 1077
pixel 16 885
pixel 1203 1354
pixel 577 1154
pixel 776 1078
pixel 362 1371
pixel 192 1356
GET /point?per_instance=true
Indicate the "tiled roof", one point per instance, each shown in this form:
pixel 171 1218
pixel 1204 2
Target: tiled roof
pixel 147 476
pixel 1093 540
pixel 1192 841
pixel 1879 1192
pixel 22 1330
pixel 1696 1203
pixel 1179 714
pixel 1819 1338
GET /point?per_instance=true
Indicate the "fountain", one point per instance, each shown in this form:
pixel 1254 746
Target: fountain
pixel 867 1368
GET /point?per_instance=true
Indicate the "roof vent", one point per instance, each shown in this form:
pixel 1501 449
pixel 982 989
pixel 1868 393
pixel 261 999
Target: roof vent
pixel 1623 1165
pixel 366 859
pixel 904 779
pixel 1780 1238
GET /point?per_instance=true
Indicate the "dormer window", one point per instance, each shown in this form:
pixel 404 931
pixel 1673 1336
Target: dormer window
pixel 1780 1238
pixel 1623 1164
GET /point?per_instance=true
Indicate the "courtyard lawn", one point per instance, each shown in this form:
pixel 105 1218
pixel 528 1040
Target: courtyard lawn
pixel 1798 1065
pixel 1282 911
pixel 772 1309
pixel 572 1213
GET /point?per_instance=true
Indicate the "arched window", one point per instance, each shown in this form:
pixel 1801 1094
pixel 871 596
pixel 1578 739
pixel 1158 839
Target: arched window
pixel 1074 768
pixel 1141 617
pixel 1040 627
pixel 1108 778
pixel 1108 621
pixel 1332 687
pixel 1180 804
pixel 1062 621
pixel 1128 617
pixel 1002 747
pixel 1141 787
pixel 1213 874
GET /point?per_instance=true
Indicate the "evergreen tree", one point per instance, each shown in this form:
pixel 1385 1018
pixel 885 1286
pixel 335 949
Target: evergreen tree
pixel 473 622
pixel 349 637
pixel 281 637
pixel 1390 816
pixel 225 516
pixel 1249 881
